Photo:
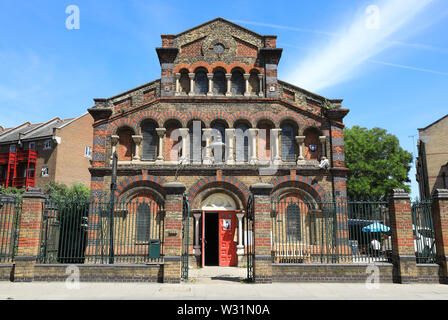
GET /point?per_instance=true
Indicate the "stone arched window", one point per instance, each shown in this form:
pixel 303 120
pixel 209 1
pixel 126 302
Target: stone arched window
pixel 311 150
pixel 293 225
pixel 287 143
pixel 254 83
pixel 149 142
pixel 219 82
pixel 238 83
pixel 219 138
pixel 200 82
pixel 143 222
pixel 173 141
pixel 264 141
pixel 196 143
pixel 184 82
pixel 241 142
pixel 126 146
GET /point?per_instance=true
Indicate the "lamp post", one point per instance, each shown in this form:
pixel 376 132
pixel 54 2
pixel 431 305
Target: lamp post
pixel 113 188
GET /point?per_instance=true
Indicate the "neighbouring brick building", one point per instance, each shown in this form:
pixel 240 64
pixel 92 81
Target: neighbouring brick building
pixel 32 155
pixel 432 161
pixel 219 78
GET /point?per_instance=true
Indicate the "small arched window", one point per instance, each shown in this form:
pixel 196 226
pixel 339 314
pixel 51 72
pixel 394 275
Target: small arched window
pixel 143 223
pixel 184 82
pixel 254 83
pixel 219 83
pixel 288 146
pixel 293 226
pixel 242 143
pixel 238 83
pixel 219 138
pixel 149 142
pixel 200 83
pixel 125 144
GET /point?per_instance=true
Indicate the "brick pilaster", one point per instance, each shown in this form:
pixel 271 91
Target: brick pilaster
pixel 440 220
pixel 403 252
pixel 262 232
pixel 172 249
pixel 29 235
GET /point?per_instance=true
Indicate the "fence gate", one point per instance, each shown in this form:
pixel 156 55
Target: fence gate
pixel 249 235
pixel 423 231
pixel 10 209
pixel 185 238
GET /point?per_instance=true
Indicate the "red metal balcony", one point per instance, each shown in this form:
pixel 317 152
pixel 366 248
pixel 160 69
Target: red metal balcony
pixel 6 156
pixel 26 155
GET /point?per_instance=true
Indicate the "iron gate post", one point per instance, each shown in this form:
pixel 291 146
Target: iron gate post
pixel 440 220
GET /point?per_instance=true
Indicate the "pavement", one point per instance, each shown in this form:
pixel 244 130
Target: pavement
pixel 214 283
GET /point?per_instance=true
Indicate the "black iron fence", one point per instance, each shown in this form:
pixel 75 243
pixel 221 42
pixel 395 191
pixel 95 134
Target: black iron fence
pixel 80 232
pixel 345 231
pixel 10 209
pixel 423 232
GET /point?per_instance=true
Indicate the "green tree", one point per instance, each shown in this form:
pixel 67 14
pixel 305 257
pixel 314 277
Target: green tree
pixel 376 161
pixel 61 193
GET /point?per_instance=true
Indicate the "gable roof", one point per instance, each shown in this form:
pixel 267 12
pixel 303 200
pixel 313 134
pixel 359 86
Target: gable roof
pixel 222 20
pixel 430 125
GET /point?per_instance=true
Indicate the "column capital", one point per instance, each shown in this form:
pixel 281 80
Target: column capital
pixel 177 74
pixel 191 76
pixel 174 188
pixel 209 76
pixel 228 76
pixel 137 139
pixel 114 139
pixel 160 131
pixel 246 76
pixel 262 189
pixel 322 139
pixel 260 76
pixel 300 139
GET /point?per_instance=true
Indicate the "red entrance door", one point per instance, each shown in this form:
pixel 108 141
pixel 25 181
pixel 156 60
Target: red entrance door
pixel 227 247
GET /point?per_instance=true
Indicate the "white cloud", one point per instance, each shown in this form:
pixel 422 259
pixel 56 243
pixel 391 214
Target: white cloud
pixel 337 60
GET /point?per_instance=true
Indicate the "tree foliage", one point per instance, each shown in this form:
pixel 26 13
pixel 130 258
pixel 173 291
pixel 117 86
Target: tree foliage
pixel 61 193
pixel 376 161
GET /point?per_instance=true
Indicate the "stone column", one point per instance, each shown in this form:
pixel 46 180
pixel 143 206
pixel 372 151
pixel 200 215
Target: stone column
pixel 197 246
pixel 246 80
pixel 207 135
pixel 29 235
pixel 261 93
pixel 173 232
pixel 323 152
pixel 191 76
pixel 229 84
pixel 240 246
pixel 137 142
pixel 253 145
pixel 113 142
pixel 230 157
pixel 161 133
pixel 440 220
pixel 185 138
pixel 276 158
pixel 210 84
pixel 300 141
pixel 403 253
pixel 262 232
pixel 177 84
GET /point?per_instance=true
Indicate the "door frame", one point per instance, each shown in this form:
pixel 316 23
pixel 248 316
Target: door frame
pixel 218 212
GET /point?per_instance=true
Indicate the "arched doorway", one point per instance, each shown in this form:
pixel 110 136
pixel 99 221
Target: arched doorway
pixel 219 231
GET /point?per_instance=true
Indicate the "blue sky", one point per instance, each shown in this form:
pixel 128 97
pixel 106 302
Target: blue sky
pixel 392 72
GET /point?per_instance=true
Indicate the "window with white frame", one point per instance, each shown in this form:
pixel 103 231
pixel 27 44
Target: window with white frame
pixel 12 148
pixel 88 152
pixel 47 145
pixel 44 172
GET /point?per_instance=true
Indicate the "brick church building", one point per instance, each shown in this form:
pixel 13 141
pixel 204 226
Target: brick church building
pixel 219 122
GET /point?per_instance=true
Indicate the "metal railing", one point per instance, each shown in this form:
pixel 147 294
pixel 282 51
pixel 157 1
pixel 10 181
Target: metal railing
pixel 79 232
pixel 10 209
pixel 342 231
pixel 423 232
